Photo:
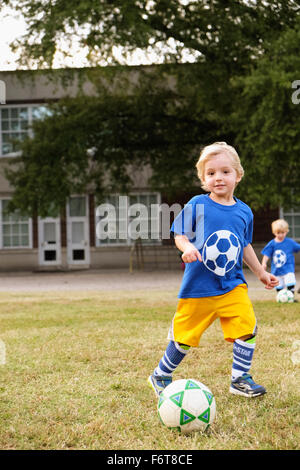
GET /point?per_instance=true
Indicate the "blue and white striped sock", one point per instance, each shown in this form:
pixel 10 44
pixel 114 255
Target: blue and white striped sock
pixel 171 359
pixel 242 357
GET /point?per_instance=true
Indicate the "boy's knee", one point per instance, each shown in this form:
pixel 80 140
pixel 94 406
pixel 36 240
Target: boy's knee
pixel 250 336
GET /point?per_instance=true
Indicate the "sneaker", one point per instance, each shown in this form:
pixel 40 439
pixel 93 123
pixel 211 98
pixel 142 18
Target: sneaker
pixel 159 383
pixel 246 387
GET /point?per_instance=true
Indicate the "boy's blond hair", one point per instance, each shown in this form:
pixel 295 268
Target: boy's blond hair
pixel 279 225
pixel 215 149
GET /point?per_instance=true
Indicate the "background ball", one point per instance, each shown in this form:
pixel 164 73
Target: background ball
pixel 285 296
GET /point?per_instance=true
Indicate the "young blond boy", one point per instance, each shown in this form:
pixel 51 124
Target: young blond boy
pixel 214 232
pixel 281 252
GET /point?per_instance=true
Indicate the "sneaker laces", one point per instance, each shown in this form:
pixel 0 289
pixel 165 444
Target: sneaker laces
pixel 163 379
pixel 250 381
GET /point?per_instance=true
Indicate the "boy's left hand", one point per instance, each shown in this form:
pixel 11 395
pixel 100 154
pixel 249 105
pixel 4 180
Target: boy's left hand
pixel 269 280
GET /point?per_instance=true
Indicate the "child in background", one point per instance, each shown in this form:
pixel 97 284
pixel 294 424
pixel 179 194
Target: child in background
pixel 281 251
pixel 209 291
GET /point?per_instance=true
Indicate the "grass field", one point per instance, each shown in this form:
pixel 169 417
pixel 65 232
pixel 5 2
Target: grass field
pixel 77 364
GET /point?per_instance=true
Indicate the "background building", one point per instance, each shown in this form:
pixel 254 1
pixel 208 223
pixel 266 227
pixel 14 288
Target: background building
pixel 70 241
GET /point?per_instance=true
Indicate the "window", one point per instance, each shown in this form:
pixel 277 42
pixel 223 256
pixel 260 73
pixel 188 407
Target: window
pixel 15 125
pixel 120 220
pixel 77 206
pixel 15 229
pixel 292 216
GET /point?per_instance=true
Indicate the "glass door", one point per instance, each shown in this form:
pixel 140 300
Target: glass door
pixel 49 241
pixel 78 246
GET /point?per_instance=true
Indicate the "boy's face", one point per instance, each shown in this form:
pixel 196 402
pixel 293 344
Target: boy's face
pixel 280 235
pixel 220 177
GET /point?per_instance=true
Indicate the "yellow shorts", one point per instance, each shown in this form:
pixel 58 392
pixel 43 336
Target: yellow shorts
pixel 195 315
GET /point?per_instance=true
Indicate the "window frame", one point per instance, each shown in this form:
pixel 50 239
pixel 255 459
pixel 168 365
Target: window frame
pixel 14 247
pixel 30 107
pixel 128 242
pixel 291 213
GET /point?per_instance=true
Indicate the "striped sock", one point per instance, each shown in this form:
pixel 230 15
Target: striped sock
pixel 171 359
pixel 242 357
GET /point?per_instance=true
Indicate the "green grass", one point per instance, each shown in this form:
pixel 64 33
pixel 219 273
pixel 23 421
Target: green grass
pixel 77 365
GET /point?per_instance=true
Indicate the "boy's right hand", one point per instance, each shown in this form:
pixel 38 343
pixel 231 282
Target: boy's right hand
pixel 190 255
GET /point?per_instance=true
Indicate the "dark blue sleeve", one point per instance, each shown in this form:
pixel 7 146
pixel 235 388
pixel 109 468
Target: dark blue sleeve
pixel 184 223
pixel 190 222
pixel 268 250
pixel 296 246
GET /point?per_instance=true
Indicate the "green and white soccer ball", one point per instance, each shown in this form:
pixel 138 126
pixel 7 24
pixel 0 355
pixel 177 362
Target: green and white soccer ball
pixel 187 405
pixel 285 296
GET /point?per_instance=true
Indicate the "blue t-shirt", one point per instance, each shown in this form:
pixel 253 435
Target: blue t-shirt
pixel 220 233
pixel 282 255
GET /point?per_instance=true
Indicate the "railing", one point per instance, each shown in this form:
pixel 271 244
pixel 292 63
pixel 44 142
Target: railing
pixel 146 257
pixel 136 251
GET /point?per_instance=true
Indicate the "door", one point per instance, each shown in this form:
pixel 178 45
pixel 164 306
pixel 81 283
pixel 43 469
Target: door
pixel 49 241
pixel 78 246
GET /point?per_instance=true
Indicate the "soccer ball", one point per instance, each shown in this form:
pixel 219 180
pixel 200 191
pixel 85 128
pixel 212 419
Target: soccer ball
pixel 285 296
pixel 221 252
pixel 187 405
pixel 279 258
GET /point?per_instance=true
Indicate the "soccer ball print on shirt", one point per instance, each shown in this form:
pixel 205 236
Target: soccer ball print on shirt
pixel 221 251
pixel 279 258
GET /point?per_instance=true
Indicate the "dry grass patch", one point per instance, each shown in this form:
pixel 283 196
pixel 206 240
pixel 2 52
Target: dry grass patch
pixel 77 365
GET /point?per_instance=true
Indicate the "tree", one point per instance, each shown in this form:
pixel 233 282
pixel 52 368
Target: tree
pixel 267 124
pixel 226 33
pixel 95 144
pixel 237 90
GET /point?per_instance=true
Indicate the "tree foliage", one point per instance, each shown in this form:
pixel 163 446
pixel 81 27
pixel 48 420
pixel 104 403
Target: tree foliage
pixel 267 124
pixel 229 33
pixel 97 143
pixel 238 89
